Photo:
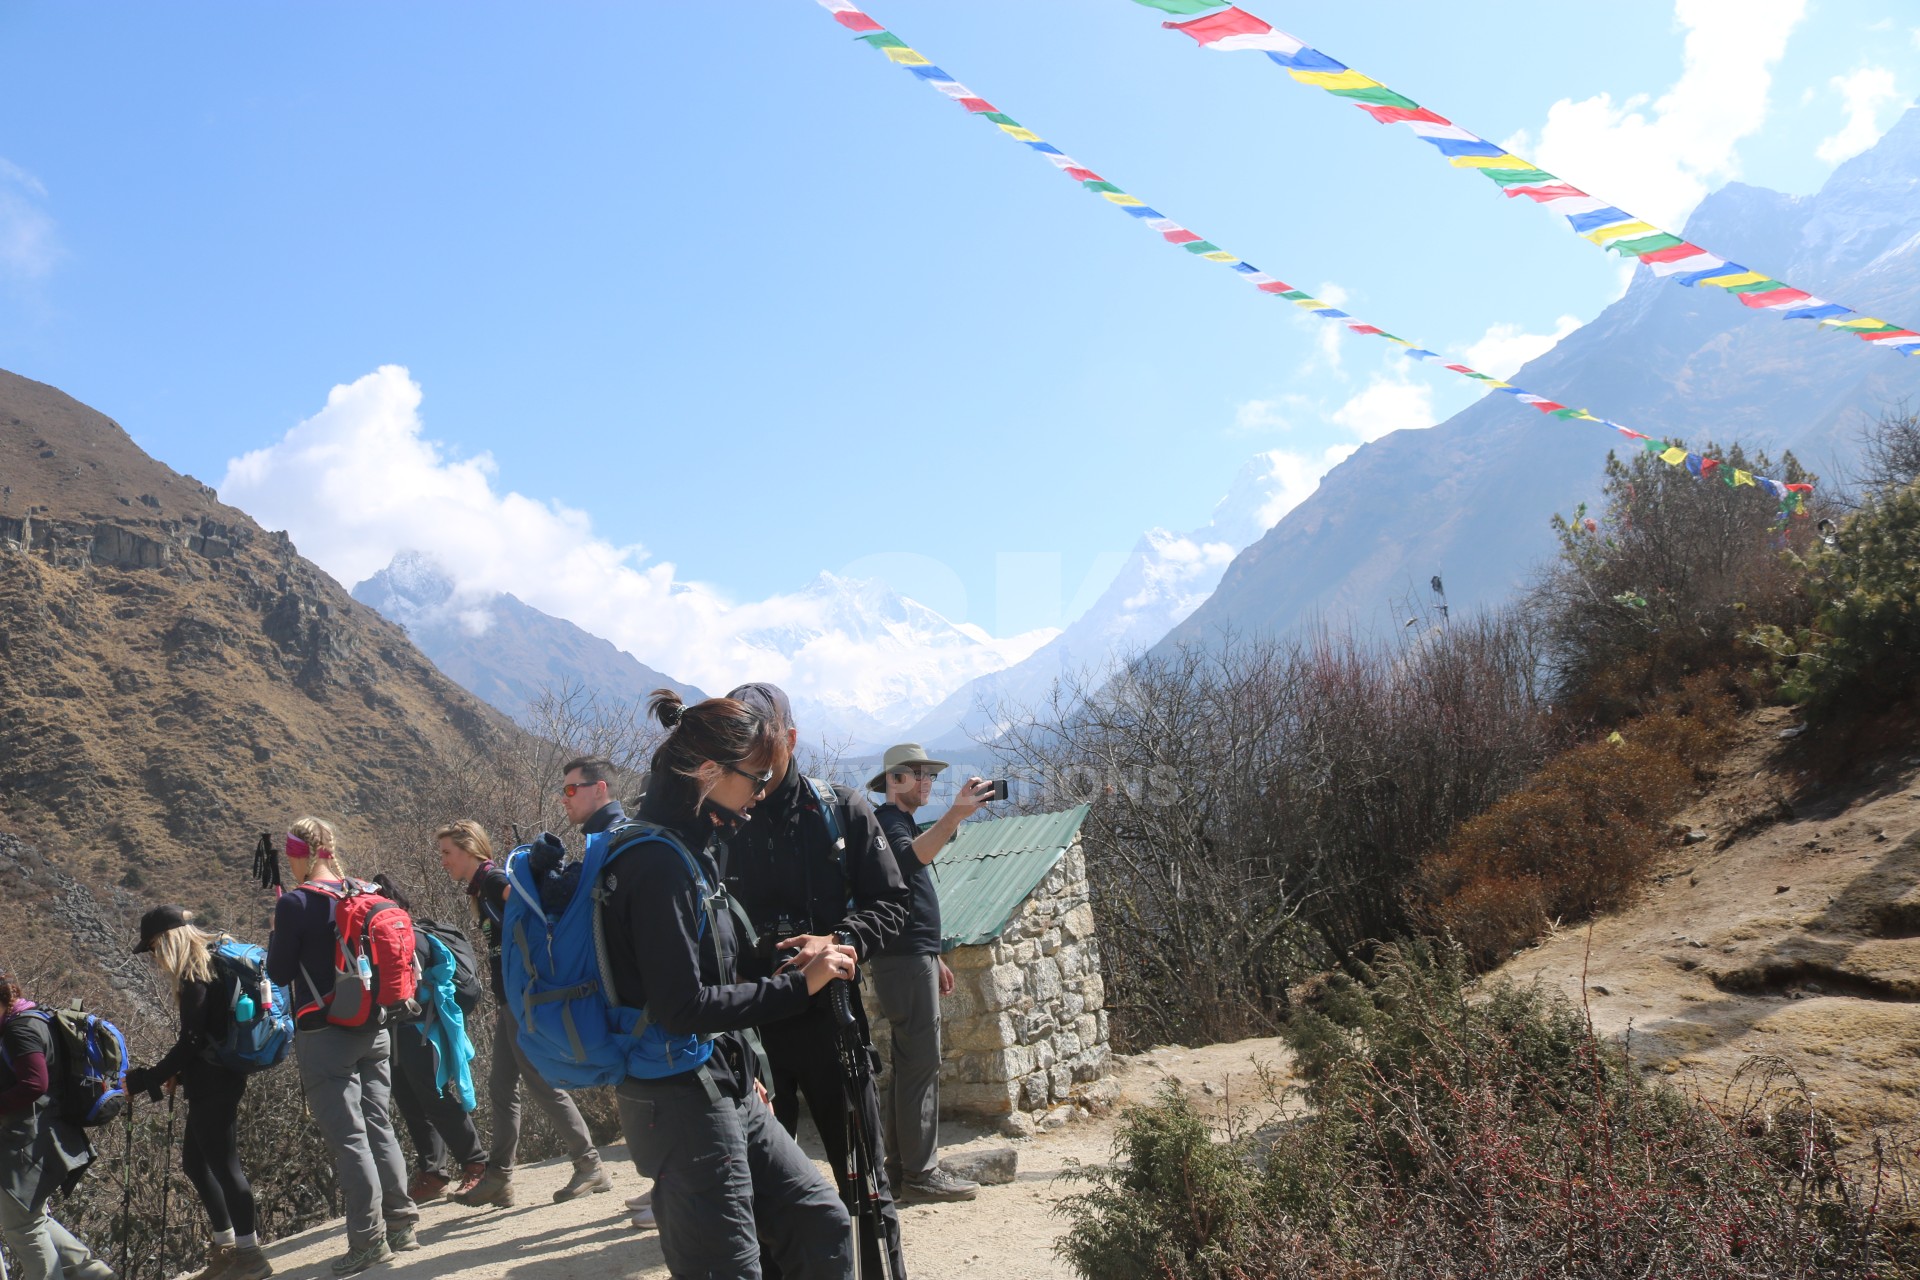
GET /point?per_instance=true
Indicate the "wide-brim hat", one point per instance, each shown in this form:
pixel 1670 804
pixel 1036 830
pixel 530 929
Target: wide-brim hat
pixel 899 757
pixel 156 921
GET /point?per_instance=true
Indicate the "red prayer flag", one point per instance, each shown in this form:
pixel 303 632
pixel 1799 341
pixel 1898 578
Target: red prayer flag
pixel 1772 297
pixel 1363 328
pixel 1551 191
pixel 1799 488
pixel 1231 21
pixel 1707 466
pixel 976 105
pixel 1084 175
pixel 1458 368
pixel 1673 253
pixel 1548 406
pixel 1274 286
pixel 854 20
pixel 1902 334
pixel 1181 236
pixel 1401 115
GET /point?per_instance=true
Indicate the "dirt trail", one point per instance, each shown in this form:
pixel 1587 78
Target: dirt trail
pixel 1007 1233
pixel 1790 930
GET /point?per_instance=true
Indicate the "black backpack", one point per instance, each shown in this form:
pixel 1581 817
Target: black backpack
pixel 467 987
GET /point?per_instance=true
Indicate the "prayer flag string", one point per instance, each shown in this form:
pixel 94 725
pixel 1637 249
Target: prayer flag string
pixel 911 60
pixel 1233 29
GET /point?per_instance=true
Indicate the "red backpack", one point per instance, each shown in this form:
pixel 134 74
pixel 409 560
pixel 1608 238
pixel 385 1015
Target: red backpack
pixel 375 978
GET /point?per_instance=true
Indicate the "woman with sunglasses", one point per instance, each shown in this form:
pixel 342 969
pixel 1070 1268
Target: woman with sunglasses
pixel 728 1180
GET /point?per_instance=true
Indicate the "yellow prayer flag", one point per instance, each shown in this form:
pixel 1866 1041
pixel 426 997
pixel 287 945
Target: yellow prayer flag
pixel 907 57
pixel 1335 79
pixel 1739 278
pixel 1508 161
pixel 1120 198
pixel 1311 304
pixel 1742 477
pixel 1858 322
pixel 1219 255
pixel 1619 231
pixel 1015 132
pixel 1674 456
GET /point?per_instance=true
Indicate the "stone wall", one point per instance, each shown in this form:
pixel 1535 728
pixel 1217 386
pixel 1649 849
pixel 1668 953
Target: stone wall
pixel 1024 1040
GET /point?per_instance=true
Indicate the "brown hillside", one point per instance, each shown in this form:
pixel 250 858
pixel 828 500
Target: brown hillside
pixel 173 681
pixel 1789 929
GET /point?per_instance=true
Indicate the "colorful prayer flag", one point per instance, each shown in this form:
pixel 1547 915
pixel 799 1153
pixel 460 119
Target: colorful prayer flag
pixel 1234 28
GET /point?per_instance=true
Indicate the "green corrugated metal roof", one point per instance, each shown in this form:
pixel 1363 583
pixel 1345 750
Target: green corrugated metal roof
pixel 990 868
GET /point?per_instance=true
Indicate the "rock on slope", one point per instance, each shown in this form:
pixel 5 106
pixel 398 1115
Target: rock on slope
pixel 1793 931
pixel 175 679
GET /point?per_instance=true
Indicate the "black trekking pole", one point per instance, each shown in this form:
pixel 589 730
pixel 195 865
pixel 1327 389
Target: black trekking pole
pixel 855 1052
pixel 126 1196
pixel 166 1186
pixel 266 864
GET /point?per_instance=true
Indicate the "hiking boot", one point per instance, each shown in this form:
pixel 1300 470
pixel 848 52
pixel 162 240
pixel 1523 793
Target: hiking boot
pixel 248 1264
pixel 400 1237
pixel 937 1185
pixel 590 1178
pixel 428 1184
pixel 640 1211
pixel 494 1187
pixel 470 1175
pixel 358 1260
pixel 219 1259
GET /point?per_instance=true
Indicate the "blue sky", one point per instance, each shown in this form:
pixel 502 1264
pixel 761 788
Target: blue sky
pixel 751 303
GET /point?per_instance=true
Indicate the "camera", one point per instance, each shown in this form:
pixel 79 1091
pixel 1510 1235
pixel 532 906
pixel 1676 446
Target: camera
pixel 996 789
pixel 784 926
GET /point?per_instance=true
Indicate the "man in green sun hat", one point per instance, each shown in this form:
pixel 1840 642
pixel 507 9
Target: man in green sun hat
pixel 909 977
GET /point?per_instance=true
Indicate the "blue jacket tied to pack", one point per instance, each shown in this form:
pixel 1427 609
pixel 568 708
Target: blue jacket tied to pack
pixel 445 1024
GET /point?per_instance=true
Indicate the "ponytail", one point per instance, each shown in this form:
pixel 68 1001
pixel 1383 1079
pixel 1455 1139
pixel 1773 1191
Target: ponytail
pixel 723 730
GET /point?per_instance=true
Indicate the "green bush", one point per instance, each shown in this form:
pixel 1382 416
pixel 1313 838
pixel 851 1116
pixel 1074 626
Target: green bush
pixel 1456 1133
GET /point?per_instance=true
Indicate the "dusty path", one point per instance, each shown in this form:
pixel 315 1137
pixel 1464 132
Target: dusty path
pixel 1007 1233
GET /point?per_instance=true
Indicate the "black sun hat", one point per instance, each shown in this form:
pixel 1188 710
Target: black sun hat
pixel 157 921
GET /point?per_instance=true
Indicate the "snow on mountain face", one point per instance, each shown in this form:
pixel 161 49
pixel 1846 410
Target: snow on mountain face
pixel 1167 577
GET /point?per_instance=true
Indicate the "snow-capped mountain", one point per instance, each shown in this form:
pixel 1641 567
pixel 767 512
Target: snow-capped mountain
pixel 1167 576
pixel 498 647
pixel 865 662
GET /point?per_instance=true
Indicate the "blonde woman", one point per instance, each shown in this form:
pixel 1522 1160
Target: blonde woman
pixel 210 1154
pixel 346 1071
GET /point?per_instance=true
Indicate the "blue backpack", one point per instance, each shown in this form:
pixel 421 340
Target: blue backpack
pixel 87 1065
pixel 259 1013
pixel 559 982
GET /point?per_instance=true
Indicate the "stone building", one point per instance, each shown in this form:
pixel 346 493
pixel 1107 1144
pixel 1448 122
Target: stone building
pixel 1024 1040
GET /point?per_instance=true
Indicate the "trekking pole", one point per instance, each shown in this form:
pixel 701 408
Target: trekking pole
pixel 126 1196
pixel 855 1052
pixel 166 1186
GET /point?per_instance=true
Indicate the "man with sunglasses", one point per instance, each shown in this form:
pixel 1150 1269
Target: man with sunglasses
pixel 584 797
pixel 813 868
pixel 909 977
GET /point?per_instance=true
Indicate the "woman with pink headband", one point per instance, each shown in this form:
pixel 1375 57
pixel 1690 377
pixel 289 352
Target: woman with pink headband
pixel 346 1071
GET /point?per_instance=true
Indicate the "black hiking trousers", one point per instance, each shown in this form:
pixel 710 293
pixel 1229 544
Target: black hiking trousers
pixel 804 1059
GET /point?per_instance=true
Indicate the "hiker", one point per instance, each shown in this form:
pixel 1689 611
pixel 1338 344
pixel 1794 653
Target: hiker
pixel 345 1071
pixel 812 868
pixel 40 1153
pixel 433 1061
pixel 210 1152
pixel 728 1180
pixel 467 855
pixel 909 977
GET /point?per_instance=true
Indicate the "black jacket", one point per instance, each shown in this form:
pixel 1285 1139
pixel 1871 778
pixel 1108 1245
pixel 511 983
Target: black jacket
pixel 659 958
pixel 784 864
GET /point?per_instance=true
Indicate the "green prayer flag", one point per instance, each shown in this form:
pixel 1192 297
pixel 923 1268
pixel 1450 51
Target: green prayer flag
pixel 1568 414
pixel 1184 8
pixel 1201 246
pixel 1294 295
pixel 1646 244
pixel 1096 185
pixel 1378 96
pixel 1514 177
pixel 1001 117
pixel 884 40
pixel 1758 286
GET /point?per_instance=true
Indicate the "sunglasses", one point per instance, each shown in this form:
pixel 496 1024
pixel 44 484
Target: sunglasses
pixel 759 780
pixel 573 789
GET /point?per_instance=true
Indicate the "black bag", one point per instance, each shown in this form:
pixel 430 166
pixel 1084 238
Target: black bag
pixel 467 986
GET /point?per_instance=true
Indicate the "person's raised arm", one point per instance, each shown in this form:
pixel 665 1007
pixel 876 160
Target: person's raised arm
pixel 966 802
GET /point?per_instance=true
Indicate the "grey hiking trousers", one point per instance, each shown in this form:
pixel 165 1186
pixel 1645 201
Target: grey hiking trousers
pixel 729 1182
pixel 909 991
pixel 348 1079
pixel 510 1069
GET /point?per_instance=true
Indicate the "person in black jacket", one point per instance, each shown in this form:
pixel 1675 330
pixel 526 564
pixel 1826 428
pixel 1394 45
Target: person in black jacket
pixel 210 1153
pixel 40 1153
pixel 729 1182
pixel 811 869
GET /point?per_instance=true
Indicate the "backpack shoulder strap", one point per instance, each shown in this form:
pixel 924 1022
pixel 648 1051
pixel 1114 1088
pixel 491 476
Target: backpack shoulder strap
pixel 833 809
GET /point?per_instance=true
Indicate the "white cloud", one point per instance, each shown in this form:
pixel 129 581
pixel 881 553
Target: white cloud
pixel 1295 476
pixel 1503 348
pixel 28 245
pixel 1261 415
pixel 1387 404
pixel 1657 158
pixel 1866 94
pixel 360 480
